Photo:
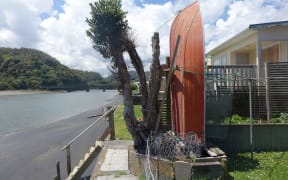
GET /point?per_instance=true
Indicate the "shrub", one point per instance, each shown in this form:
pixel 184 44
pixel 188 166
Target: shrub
pixel 283 118
pixel 5 86
pixel 133 86
pixel 236 119
pixel 275 120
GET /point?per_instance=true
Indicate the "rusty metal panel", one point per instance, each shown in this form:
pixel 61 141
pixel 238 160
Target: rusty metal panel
pixel 187 83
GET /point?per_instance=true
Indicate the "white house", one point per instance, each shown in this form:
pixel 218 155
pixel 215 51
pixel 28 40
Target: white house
pixel 259 43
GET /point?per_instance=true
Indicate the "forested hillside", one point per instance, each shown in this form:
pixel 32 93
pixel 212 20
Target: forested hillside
pixel 32 69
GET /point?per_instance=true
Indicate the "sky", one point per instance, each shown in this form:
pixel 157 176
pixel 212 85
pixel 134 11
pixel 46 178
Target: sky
pixel 58 27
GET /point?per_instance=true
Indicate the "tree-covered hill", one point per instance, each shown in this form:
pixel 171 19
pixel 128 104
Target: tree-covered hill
pixel 32 69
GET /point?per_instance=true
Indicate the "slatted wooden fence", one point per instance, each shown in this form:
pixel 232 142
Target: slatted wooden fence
pixel 278 85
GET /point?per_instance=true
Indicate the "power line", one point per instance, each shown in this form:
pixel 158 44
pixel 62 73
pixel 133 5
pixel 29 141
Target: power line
pixel 168 20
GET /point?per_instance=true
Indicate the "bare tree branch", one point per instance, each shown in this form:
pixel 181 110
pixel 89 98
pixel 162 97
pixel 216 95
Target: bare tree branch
pixel 137 63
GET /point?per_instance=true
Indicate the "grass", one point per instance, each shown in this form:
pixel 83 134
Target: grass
pixel 142 177
pixel 116 174
pixel 119 174
pixel 121 131
pixel 264 166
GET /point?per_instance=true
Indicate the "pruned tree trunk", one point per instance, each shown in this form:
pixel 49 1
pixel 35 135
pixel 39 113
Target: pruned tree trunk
pixel 154 84
pixel 137 63
pixel 129 115
pixel 149 101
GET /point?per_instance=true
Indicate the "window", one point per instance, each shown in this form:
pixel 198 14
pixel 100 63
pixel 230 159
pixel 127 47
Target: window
pixel 271 54
pixel 242 58
pixel 222 60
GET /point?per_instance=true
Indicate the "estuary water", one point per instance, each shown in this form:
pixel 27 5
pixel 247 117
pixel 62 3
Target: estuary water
pixel 21 112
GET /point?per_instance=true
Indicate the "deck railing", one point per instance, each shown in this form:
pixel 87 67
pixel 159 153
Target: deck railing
pixel 87 145
pixel 230 75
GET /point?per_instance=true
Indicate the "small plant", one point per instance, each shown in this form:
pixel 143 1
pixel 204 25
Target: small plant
pixel 236 119
pixel 275 120
pixel 283 118
pixel 119 174
pixel 276 115
pixel 227 120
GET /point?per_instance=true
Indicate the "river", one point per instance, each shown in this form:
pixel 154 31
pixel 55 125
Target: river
pixel 22 112
pixel 35 127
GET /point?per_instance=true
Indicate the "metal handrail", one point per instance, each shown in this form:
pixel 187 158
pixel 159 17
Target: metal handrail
pixel 91 125
pixel 110 130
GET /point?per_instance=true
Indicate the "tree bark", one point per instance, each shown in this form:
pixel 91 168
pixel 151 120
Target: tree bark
pixel 154 84
pixel 149 99
pixel 137 63
pixel 129 115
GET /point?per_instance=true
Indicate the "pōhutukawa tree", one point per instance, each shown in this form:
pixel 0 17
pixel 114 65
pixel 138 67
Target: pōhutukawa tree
pixel 109 31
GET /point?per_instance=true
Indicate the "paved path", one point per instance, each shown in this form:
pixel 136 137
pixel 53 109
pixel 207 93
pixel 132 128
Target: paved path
pixel 113 162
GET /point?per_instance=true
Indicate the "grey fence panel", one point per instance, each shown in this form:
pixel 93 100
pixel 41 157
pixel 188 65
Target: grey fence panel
pixel 266 137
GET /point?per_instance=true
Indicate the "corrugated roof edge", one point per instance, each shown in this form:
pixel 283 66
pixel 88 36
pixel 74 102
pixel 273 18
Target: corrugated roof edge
pixel 269 24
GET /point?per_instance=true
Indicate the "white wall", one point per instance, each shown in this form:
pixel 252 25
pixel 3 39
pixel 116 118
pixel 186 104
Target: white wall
pixel 283 51
pixel 231 56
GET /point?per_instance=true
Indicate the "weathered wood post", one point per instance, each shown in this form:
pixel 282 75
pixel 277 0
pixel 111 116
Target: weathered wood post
pixel 168 61
pixel 68 154
pixel 154 83
pixel 169 76
pixel 111 124
pixel 110 117
pixel 58 177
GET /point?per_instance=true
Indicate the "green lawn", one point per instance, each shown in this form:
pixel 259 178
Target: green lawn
pixel 266 165
pixel 121 131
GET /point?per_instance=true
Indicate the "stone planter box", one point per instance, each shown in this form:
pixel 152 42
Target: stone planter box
pixel 205 168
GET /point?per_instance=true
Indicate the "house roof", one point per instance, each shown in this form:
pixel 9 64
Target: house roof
pixel 244 34
pixel 268 25
pixel 235 39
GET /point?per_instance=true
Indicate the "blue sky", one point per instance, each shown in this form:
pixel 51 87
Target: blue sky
pixel 58 26
pixel 141 2
pixel 57 4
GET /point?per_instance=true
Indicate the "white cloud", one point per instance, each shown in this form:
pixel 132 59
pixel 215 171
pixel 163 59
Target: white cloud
pixel 63 36
pixel 60 35
pixel 242 13
pixel 145 21
pixel 20 20
pixel 212 10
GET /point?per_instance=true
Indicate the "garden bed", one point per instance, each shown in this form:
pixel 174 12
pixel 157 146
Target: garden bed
pixel 204 167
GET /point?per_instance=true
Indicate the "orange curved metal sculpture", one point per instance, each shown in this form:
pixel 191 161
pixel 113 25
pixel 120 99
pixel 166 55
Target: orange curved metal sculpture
pixel 187 82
